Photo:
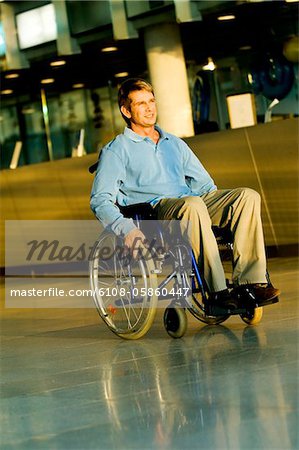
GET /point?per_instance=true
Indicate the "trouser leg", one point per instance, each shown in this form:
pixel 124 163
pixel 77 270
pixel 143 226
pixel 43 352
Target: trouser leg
pixel 195 224
pixel 241 209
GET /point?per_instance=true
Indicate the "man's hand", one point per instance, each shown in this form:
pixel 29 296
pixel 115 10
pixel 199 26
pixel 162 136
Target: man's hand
pixel 133 240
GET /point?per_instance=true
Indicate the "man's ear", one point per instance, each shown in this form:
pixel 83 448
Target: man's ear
pixel 126 112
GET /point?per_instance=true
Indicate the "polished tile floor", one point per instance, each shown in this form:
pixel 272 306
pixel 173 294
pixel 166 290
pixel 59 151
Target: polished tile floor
pixel 69 383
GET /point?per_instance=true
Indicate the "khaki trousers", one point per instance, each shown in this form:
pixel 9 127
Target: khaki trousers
pixel 240 209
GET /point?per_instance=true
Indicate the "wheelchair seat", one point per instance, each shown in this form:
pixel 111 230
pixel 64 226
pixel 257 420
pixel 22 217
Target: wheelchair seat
pixel 94 167
pixel 141 210
pixel 223 235
pixel 147 212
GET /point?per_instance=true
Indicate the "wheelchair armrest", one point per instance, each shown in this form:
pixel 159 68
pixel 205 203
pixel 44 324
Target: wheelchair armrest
pixel 94 167
pixel 142 210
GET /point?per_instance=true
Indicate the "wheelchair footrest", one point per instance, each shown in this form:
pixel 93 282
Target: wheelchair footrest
pixel 268 302
pixel 215 310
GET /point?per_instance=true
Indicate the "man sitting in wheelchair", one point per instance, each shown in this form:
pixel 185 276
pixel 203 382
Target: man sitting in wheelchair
pixel 145 164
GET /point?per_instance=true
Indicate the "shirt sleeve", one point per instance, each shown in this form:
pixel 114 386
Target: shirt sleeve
pixel 196 176
pixel 110 173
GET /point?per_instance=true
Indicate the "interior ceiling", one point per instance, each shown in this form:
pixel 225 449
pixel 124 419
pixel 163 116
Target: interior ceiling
pixel 263 26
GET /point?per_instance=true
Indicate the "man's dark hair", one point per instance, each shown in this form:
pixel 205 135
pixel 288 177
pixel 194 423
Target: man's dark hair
pixel 130 85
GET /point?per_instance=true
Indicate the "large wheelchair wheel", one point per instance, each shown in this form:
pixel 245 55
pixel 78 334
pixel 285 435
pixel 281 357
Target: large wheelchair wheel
pixel 123 288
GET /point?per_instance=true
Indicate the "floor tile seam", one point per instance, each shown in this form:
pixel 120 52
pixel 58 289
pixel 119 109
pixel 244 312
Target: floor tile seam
pixel 96 367
pixel 106 366
pixel 289 272
pixel 9 357
pixel 109 366
pixel 49 352
pixel 156 355
pixel 127 378
pixel 276 409
pixel 281 319
pixel 39 438
pixel 44 393
pixel 48 391
pixel 70 330
pixel 82 404
pixel 60 408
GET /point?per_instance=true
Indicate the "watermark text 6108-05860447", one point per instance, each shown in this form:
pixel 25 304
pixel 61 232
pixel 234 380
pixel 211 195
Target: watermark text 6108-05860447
pixel 75 293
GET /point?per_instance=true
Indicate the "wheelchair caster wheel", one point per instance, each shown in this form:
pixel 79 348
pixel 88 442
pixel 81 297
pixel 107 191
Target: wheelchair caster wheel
pixel 175 322
pixel 253 316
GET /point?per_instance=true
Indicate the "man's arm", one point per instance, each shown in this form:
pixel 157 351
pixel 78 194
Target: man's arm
pixel 110 173
pixel 108 178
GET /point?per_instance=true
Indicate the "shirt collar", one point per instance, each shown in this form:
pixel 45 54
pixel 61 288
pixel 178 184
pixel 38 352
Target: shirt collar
pixel 137 138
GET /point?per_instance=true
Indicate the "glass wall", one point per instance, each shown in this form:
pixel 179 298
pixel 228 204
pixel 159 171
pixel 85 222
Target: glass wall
pixel 89 115
pixel 209 91
pixel 92 116
pixel 9 134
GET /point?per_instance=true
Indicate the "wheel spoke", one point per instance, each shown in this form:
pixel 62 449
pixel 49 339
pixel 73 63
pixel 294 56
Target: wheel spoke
pixel 130 315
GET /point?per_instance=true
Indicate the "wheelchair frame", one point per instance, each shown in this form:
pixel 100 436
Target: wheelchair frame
pixel 131 314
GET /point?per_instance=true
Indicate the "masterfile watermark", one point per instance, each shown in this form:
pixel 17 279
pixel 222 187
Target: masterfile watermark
pixel 49 247
pixel 76 293
pixel 44 247
pixel 55 251
pixel 54 264
pixel 48 293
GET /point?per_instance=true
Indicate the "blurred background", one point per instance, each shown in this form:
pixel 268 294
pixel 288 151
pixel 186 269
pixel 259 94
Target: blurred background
pixel 61 63
pixel 225 76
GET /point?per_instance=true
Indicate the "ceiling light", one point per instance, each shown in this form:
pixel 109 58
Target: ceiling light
pixel 109 49
pixel 78 85
pixel 210 66
pixel 291 1
pixel 121 74
pixel 58 63
pixel 7 91
pixel 245 47
pixel 47 81
pixel 12 75
pixel 227 17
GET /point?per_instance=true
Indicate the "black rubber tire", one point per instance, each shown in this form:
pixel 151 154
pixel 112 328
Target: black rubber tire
pixel 175 322
pixel 253 316
pixel 131 320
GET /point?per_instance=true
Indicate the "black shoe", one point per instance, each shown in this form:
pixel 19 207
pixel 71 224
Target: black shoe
pixel 254 295
pixel 223 299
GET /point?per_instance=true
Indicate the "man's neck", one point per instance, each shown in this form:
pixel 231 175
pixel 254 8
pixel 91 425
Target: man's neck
pixel 150 132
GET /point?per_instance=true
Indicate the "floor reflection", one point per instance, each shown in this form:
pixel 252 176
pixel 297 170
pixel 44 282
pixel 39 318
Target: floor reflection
pixel 219 390
pixel 69 383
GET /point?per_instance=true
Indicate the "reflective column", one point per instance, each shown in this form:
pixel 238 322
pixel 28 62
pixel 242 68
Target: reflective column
pixel 168 75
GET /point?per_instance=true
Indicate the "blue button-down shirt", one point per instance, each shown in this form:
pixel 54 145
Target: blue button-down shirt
pixel 133 169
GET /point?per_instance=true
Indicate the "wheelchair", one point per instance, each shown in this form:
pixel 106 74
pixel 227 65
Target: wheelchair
pixel 127 291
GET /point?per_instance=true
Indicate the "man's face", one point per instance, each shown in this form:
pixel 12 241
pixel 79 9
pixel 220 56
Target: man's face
pixel 142 110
